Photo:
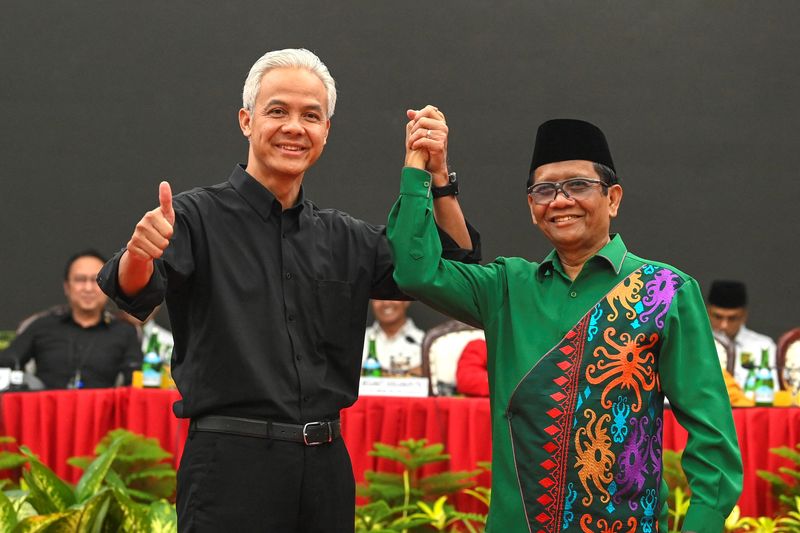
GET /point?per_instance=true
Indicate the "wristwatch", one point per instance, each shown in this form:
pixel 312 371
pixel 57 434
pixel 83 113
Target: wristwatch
pixel 451 189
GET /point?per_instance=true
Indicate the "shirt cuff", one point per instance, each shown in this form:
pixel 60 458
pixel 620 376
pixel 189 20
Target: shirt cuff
pixel 702 518
pixel 415 182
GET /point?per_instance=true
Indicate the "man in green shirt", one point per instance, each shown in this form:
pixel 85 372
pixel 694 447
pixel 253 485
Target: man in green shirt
pixel 583 347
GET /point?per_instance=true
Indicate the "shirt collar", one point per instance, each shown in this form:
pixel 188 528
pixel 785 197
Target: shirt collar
pixel 612 254
pixel 105 319
pixel 260 198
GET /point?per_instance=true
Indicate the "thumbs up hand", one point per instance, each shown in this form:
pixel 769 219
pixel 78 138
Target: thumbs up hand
pixel 152 234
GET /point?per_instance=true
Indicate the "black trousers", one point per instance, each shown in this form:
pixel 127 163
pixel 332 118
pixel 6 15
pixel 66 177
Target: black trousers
pixel 235 483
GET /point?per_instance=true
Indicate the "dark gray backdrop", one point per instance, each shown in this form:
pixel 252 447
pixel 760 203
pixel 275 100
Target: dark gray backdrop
pixel 102 99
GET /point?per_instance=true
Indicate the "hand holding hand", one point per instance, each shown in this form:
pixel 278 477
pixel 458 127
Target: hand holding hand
pixel 152 234
pixel 426 142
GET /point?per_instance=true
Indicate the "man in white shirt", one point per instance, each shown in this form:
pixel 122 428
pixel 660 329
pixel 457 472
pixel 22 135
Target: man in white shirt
pixel 727 310
pixel 397 339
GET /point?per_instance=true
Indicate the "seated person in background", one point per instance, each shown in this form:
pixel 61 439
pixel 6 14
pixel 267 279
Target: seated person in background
pixel 472 377
pixel 396 336
pixel 80 345
pixel 727 311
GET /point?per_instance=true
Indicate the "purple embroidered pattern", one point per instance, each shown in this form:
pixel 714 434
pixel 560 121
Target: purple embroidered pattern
pixel 632 464
pixel 660 291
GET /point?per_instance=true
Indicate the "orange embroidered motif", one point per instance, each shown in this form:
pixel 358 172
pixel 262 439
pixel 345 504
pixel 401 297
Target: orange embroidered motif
pixel 630 367
pixel 604 527
pixel 595 458
pixel 626 293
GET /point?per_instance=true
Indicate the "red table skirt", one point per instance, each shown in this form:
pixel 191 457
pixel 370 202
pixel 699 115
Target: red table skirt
pixel 57 425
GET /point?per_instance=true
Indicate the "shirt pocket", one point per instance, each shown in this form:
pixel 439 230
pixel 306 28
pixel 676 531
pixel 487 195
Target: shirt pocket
pixel 333 302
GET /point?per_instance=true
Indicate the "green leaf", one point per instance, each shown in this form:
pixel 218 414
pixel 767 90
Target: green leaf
pixel 49 493
pixel 8 515
pixel 81 462
pixel 62 522
pixel 9 460
pixel 4 439
pixel 92 478
pixel 163 518
pixel 94 511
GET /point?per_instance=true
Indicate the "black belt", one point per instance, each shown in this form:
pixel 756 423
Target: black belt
pixel 310 434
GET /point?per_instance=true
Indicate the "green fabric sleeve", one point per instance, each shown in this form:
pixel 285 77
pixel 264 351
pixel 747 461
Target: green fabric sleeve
pixel 456 289
pixel 692 380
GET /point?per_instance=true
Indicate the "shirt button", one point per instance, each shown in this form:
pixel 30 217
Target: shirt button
pixel 290 317
pixel 426 183
pixel 306 399
pixel 573 294
pixel 298 357
pixel 283 235
pixel 288 275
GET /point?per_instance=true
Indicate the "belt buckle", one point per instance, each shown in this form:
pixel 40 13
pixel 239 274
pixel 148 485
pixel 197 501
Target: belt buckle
pixel 311 424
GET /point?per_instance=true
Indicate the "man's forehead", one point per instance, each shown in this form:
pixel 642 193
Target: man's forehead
pixel 283 83
pixel 726 311
pixel 565 169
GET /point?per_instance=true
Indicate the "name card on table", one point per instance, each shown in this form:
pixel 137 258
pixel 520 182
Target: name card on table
pixel 403 387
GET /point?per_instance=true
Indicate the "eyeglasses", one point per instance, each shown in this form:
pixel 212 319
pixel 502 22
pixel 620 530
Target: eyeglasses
pixel 80 280
pixel 579 188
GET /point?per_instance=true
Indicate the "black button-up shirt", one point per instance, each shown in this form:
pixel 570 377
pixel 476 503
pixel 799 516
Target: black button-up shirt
pixel 267 306
pixel 62 348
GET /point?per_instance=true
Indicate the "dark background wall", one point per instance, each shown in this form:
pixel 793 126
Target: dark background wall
pixel 100 100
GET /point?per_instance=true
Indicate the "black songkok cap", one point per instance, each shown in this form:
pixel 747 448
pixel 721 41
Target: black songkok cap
pixel 728 294
pixel 565 139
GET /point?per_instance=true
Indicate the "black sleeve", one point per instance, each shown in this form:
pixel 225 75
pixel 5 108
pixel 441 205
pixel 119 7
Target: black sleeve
pixel 20 351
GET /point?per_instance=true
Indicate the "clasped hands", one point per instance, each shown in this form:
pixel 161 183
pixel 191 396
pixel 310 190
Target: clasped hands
pixel 426 143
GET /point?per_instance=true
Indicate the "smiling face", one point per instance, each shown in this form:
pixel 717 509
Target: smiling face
pixel 81 288
pixel 390 314
pixel 287 128
pixel 575 226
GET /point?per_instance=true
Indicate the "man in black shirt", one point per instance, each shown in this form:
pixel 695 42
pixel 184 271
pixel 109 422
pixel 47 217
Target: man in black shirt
pixel 78 345
pixel 267 296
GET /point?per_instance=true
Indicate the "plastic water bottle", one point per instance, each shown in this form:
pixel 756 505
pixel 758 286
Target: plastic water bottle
pixel 151 365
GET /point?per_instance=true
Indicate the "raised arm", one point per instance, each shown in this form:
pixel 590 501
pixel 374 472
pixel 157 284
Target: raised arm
pixel 426 143
pixel 149 240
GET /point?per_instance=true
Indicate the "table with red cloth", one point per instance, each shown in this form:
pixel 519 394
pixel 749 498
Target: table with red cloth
pixel 57 425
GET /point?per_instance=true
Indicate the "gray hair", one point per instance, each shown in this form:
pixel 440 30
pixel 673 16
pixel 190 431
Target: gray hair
pixel 287 58
pixel 608 176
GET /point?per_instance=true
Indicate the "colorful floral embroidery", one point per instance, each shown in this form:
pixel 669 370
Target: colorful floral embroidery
pixel 603 526
pixel 595 458
pixel 629 368
pixel 621 410
pixel 626 293
pixel 660 292
pixel 632 464
pixel 589 453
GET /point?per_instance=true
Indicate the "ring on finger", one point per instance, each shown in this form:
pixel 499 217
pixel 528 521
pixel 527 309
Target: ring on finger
pixel 428 135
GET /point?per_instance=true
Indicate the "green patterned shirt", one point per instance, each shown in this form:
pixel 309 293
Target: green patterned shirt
pixel 527 311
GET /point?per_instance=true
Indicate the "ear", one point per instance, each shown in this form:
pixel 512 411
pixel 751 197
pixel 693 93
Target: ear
pixel 66 289
pixel 244 122
pixel 327 131
pixel 614 199
pixel 531 206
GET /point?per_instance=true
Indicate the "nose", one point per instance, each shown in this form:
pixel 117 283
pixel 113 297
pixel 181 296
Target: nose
pixel 561 199
pixel 292 125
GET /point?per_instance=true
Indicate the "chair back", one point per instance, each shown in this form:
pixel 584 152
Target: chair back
pixel 441 349
pixel 788 351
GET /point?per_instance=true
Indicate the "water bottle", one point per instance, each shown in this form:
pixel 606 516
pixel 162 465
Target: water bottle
pixel 372 367
pixel 151 365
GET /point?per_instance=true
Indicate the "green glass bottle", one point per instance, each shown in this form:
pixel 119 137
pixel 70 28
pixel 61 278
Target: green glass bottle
pixel 372 367
pixel 749 388
pixel 765 384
